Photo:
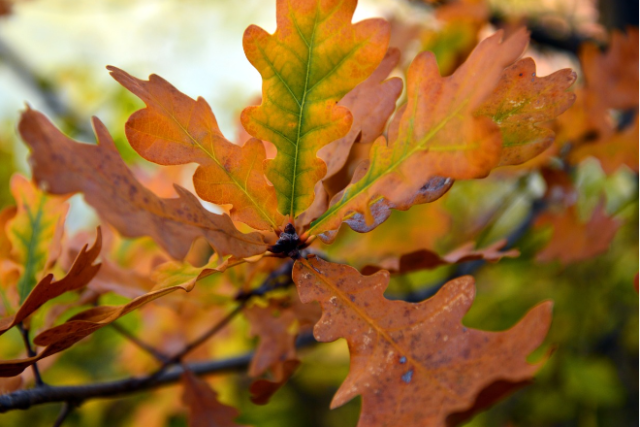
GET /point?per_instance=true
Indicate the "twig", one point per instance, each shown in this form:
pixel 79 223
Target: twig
pixel 141 344
pixel 64 413
pixel 30 352
pixel 24 399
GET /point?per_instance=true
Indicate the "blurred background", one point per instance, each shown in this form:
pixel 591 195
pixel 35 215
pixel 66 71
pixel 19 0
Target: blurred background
pixel 53 55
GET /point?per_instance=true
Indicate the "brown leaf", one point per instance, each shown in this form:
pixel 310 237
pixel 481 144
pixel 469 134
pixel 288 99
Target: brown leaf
pixel 277 325
pixel 174 130
pixel 205 410
pixel 80 274
pixel 261 390
pixel 414 364
pixel 425 259
pixel 573 240
pixel 64 166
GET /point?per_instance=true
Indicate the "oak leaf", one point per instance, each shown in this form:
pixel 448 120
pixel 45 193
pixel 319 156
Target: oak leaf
pixel 174 129
pixel 425 259
pixel 613 75
pixel 34 233
pixel 522 103
pixel 574 240
pixel 619 149
pixel 205 410
pixel 414 364
pixel 65 166
pixel 438 134
pixel 315 57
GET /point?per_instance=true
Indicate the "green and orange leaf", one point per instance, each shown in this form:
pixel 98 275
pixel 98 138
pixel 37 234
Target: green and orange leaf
pixel 174 129
pixel 34 232
pixel 522 103
pixel 438 135
pixel 315 57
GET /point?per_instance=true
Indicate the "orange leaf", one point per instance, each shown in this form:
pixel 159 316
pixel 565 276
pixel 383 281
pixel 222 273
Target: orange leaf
pixel 438 134
pixel 205 410
pixel 521 103
pixel 371 103
pixel 414 364
pixel 315 57
pixel 174 130
pixel 425 259
pixel 613 75
pixel 64 166
pixel 619 149
pixel 573 240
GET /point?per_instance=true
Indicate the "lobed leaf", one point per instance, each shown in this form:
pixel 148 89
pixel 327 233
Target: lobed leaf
pixel 521 103
pixel 65 166
pixel 79 275
pixel 573 240
pixel 619 149
pixel 437 135
pixel 34 233
pixel 415 364
pixel 174 130
pixel 315 57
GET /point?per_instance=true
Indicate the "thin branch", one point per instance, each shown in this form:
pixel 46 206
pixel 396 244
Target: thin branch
pixel 64 413
pixel 141 344
pixel 24 399
pixel 30 352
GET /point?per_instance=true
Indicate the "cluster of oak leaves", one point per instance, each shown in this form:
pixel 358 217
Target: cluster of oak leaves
pixel 325 91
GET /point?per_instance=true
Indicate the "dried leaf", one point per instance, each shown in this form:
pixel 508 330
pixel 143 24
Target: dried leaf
pixel 278 325
pixel 205 410
pixel 438 135
pixel 315 57
pixel 174 130
pixel 64 167
pixel 414 364
pixel 34 232
pixel 573 240
pixel 425 259
pixel 261 390
pixel 521 103
pixel 79 275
